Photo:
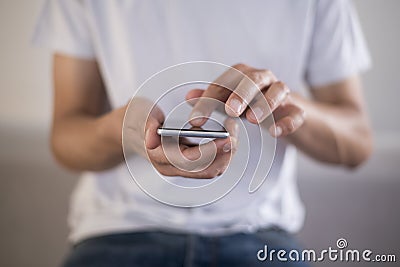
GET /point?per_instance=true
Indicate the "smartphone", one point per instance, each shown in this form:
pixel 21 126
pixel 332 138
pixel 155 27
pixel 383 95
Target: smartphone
pixel 192 133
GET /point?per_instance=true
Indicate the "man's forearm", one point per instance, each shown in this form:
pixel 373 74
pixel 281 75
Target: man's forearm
pixel 86 143
pixel 333 134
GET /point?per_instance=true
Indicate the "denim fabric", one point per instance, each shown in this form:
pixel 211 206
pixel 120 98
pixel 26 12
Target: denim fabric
pixel 170 249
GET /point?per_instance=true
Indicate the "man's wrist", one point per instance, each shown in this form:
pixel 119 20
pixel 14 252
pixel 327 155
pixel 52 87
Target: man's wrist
pixel 109 127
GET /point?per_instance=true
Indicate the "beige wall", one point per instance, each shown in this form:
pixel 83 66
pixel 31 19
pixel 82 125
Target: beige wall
pixel 24 71
pixel 381 25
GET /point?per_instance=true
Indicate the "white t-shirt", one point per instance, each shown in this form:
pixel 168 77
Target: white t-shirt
pixel 305 41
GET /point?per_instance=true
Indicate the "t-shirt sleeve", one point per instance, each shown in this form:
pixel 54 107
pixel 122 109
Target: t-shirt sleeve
pixel 63 27
pixel 338 49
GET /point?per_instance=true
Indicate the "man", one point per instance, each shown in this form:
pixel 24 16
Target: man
pixel 103 50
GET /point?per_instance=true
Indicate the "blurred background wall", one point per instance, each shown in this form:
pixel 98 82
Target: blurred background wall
pixel 360 205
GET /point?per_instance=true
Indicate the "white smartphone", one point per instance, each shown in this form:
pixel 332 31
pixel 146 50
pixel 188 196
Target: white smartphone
pixel 192 133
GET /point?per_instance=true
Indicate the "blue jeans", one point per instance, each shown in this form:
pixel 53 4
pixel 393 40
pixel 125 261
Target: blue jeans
pixel 171 249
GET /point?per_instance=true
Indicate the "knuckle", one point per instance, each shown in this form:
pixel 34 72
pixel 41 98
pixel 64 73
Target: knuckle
pixel 290 126
pixel 240 66
pixel 270 101
pixel 299 119
pixel 261 77
pixel 267 72
pixel 282 86
pixel 257 77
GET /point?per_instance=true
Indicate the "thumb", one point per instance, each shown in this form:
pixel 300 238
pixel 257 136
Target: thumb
pixel 151 138
pixel 154 121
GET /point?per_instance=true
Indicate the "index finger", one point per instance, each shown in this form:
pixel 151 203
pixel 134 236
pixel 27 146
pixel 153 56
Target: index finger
pixel 218 91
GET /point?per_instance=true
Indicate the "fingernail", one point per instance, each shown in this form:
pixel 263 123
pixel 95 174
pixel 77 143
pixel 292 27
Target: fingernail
pixel 227 147
pixel 276 131
pixel 236 106
pixel 281 97
pixel 197 117
pixel 257 113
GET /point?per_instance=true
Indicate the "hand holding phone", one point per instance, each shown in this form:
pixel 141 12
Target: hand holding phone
pixel 185 158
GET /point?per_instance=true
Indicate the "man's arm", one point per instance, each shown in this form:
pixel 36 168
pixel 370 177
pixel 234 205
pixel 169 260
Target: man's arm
pixel 83 137
pixel 336 127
